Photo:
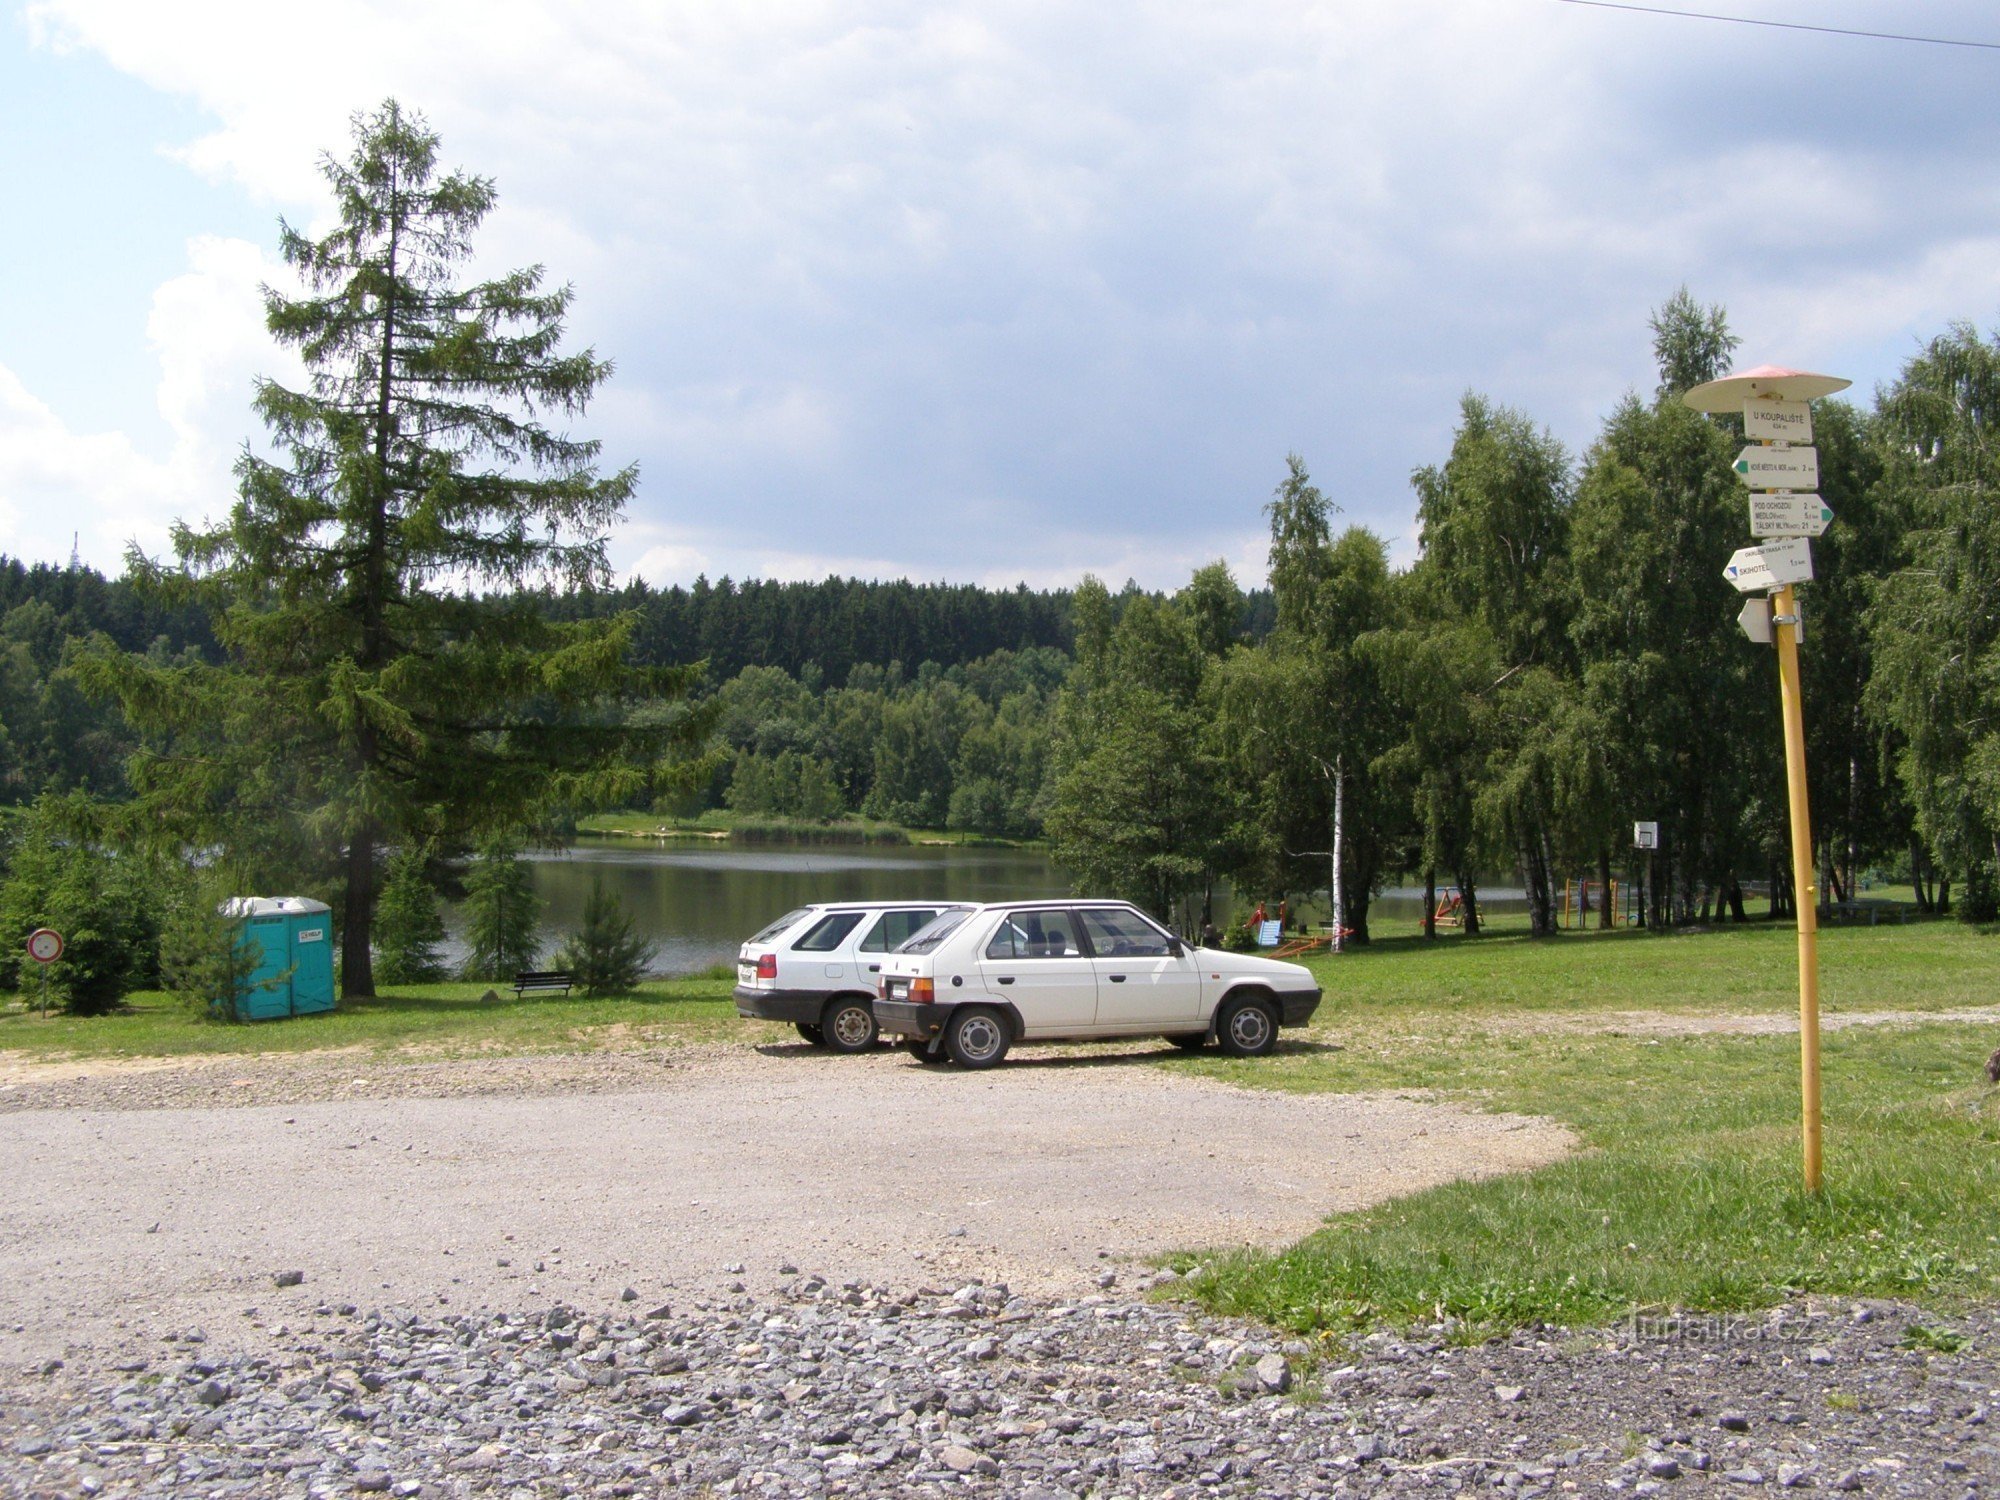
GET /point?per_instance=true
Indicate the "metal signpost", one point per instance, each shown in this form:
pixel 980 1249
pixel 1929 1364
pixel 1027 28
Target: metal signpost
pixel 45 946
pixel 1776 407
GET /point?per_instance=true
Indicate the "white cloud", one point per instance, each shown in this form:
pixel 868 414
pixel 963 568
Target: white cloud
pixel 1084 273
pixel 206 328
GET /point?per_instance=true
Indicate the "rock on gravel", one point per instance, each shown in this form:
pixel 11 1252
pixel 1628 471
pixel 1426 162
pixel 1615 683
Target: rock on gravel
pixel 826 1389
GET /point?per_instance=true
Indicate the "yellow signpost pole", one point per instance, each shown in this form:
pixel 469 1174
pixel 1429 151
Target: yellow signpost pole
pixel 1776 406
pixel 1785 634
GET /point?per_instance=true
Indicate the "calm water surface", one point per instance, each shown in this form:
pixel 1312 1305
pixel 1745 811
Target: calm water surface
pixel 697 900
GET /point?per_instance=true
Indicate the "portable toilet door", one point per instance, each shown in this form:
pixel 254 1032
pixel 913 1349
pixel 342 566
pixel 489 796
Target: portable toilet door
pixel 312 956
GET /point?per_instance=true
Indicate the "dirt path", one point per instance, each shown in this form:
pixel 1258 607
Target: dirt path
pixel 1696 1023
pixel 579 1177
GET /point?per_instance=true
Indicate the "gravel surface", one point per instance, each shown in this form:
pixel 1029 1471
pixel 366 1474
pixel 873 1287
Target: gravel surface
pixel 167 1197
pixel 535 1277
pixel 816 1388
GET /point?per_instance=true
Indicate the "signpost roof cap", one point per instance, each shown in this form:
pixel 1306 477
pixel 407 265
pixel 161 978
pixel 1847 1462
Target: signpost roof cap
pixel 1731 391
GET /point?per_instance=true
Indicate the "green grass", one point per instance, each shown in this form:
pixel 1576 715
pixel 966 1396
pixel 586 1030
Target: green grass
pixel 1687 1193
pixel 443 1019
pixel 1748 968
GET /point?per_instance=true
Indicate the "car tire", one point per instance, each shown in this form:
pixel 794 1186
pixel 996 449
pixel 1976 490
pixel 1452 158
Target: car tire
pixel 1247 1026
pixel 811 1033
pixel 848 1024
pixel 919 1047
pixel 977 1037
pixel 1192 1041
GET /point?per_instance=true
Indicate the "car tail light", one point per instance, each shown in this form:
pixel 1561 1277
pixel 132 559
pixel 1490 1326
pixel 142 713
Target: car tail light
pixel 923 991
pixel 767 966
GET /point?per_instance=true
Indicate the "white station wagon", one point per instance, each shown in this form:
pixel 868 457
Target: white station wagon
pixel 819 966
pixel 975 982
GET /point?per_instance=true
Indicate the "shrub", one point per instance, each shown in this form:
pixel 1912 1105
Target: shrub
pixel 204 961
pixel 409 931
pixel 104 904
pixel 500 912
pixel 605 954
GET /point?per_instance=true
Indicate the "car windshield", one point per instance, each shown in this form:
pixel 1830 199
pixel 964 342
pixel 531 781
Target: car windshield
pixel 779 927
pixel 926 938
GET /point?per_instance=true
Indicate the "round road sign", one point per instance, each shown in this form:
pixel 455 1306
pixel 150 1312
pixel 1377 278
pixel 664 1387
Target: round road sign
pixel 45 945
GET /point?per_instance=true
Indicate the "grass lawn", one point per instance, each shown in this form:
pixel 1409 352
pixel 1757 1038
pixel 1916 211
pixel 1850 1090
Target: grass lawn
pixel 434 1018
pixel 1688 1192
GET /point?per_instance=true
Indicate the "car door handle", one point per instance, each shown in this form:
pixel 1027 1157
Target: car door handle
pixel 874 968
pixel 1116 978
pixel 1008 980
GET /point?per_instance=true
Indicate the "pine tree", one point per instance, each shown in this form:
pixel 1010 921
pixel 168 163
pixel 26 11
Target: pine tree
pixel 367 696
pixel 500 912
pixel 409 930
pixel 605 955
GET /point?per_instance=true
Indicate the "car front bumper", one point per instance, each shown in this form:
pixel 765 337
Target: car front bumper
pixel 800 1007
pixel 1296 1007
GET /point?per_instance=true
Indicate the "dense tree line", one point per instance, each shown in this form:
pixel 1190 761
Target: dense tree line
pixel 1562 660
pixel 53 735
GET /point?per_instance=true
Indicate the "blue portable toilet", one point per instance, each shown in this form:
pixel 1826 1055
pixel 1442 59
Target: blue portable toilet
pixel 291 933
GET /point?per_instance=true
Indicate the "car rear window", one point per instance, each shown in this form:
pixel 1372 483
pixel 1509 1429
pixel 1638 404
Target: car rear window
pixel 924 939
pixel 778 928
pixel 896 928
pixel 827 933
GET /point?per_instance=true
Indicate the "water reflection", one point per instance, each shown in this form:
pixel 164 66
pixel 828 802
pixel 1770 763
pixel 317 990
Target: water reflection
pixel 698 901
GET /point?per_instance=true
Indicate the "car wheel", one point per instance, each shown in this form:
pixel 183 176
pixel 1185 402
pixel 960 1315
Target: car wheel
pixel 811 1033
pixel 849 1025
pixel 976 1036
pixel 1247 1027
pixel 1192 1041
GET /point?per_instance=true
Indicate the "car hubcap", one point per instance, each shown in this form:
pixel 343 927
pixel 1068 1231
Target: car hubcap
pixel 979 1038
pixel 851 1026
pixel 1249 1027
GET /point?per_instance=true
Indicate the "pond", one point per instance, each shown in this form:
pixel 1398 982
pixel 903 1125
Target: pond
pixel 697 900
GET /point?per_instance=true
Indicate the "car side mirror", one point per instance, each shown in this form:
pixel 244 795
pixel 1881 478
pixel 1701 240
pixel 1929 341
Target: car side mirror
pixel 1176 947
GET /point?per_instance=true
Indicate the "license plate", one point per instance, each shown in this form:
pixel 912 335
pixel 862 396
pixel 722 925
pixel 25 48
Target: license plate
pixel 899 989
pixel 746 973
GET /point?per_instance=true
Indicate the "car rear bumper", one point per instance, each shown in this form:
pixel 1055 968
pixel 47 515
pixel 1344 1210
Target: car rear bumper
pixel 1296 1007
pixel 909 1018
pixel 796 1006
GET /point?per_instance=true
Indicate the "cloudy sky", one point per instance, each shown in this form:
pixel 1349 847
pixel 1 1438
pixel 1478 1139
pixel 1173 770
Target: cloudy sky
pixel 989 292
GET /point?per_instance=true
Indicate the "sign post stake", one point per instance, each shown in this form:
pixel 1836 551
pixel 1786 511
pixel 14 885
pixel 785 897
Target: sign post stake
pixel 1805 896
pixel 1776 408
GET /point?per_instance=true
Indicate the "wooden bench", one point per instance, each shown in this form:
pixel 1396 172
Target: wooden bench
pixel 542 979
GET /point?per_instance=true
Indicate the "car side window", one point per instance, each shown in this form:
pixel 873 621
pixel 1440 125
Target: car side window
pixel 1035 934
pixel 827 933
pixel 896 928
pixel 1120 934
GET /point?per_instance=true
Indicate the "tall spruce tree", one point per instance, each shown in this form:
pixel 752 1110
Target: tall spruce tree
pixel 367 695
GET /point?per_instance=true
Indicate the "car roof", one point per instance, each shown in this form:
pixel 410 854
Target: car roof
pixel 1056 903
pixel 813 906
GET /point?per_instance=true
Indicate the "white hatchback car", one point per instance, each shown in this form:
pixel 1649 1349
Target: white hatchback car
pixel 818 967
pixel 974 982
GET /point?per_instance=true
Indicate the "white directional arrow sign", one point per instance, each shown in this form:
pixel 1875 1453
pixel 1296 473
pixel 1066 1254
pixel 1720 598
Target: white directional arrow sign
pixel 1771 566
pixel 1783 514
pixel 1754 619
pixel 1779 468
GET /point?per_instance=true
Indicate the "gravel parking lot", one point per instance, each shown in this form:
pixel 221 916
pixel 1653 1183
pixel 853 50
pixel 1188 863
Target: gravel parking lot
pixel 774 1273
pixel 150 1197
